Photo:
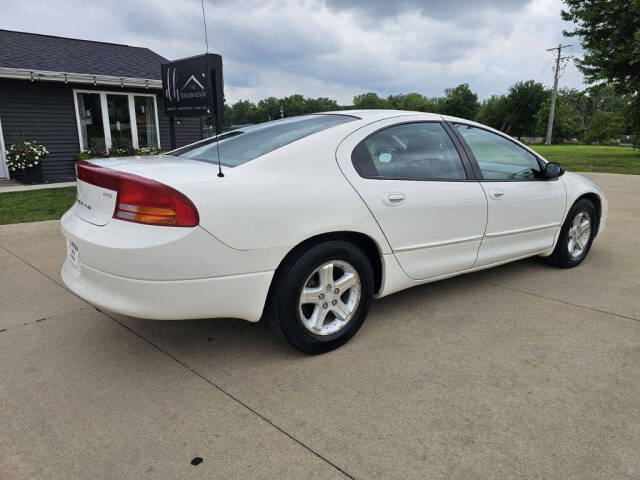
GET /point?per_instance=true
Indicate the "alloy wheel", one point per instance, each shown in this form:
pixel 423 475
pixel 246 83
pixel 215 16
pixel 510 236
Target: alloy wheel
pixel 579 234
pixel 329 297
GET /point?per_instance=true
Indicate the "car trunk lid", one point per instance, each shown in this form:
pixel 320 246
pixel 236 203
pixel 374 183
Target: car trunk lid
pixel 98 183
pixel 94 204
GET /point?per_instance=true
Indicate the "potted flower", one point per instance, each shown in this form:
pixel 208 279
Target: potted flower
pixel 24 160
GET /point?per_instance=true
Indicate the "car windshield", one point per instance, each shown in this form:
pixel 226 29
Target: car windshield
pixel 241 146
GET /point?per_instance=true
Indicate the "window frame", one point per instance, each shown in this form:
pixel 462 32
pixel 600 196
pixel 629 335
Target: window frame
pixel 105 116
pixel 4 170
pixel 466 164
pixel 476 165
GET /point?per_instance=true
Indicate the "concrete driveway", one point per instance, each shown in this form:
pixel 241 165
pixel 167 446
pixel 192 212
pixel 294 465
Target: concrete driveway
pixel 523 371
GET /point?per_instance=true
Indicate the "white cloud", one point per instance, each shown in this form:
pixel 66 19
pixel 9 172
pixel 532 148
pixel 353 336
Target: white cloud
pixel 282 47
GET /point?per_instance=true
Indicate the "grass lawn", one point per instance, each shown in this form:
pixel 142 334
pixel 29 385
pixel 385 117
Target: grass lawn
pixel 35 205
pixel 592 158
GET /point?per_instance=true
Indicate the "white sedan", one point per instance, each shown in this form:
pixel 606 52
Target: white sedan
pixel 314 216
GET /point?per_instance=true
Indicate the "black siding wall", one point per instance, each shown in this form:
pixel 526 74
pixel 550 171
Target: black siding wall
pixel 44 111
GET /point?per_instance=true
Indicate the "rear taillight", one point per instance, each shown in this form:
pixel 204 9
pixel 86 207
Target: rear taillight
pixel 141 200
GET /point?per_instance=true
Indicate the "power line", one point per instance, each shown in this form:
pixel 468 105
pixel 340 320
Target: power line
pixel 516 112
pixel 566 61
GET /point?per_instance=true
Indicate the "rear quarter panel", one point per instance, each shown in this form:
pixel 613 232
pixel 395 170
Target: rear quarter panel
pixel 283 197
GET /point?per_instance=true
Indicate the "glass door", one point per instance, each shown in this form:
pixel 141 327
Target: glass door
pixel 145 112
pixel 119 121
pixel 90 121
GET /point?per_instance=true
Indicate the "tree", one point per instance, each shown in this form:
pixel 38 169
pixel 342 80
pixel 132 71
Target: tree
pixel 243 111
pixel 603 127
pixel 609 34
pixel 494 111
pixel 207 121
pixel 368 101
pixel 411 101
pixel 460 102
pixel 321 105
pixel 565 125
pixel 268 109
pixel 294 105
pixel 515 113
pixel 583 107
pixel 523 103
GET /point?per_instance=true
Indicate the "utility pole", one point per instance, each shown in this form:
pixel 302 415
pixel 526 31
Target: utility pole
pixel 555 89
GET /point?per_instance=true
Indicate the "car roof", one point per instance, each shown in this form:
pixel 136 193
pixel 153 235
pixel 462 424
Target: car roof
pixel 381 114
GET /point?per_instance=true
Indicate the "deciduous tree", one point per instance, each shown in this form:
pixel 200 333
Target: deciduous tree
pixel 609 32
pixel 460 102
pixel 604 127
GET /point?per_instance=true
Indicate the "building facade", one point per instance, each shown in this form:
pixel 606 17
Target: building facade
pixel 76 95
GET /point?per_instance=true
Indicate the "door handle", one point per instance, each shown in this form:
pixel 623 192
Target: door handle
pixel 393 199
pixel 496 193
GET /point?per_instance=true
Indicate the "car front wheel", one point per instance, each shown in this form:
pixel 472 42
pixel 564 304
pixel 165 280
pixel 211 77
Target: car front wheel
pixel 576 235
pixel 321 296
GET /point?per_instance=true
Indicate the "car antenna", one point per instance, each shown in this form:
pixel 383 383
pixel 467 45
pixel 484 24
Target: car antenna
pixel 215 94
pixel 220 174
pixel 217 125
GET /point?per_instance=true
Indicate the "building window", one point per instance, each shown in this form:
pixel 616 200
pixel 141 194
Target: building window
pixel 145 108
pixel 90 121
pixel 108 120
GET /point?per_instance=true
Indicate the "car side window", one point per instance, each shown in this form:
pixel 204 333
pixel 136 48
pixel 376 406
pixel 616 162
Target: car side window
pixel 498 157
pixel 411 151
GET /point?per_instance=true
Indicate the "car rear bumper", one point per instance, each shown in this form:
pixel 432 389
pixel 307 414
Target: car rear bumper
pixel 236 296
pixel 165 273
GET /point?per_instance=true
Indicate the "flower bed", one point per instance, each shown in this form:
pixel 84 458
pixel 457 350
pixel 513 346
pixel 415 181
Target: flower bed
pixel 118 152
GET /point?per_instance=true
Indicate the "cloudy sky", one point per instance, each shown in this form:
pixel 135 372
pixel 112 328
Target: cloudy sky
pixel 332 48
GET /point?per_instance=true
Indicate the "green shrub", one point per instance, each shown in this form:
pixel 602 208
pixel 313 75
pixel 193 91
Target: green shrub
pixel 604 127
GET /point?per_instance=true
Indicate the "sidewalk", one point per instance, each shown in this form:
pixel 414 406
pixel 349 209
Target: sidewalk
pixel 14 186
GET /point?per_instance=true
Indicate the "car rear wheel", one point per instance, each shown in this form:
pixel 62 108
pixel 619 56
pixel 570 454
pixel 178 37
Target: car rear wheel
pixel 576 235
pixel 321 296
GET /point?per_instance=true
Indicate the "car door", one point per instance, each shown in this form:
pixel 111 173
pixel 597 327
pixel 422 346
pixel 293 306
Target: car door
pixel 419 188
pixel 525 209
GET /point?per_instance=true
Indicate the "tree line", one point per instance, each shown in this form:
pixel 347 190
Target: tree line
pixel 597 114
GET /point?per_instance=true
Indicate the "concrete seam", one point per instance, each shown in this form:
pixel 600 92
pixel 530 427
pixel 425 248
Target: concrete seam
pixel 195 372
pixel 231 396
pixel 564 302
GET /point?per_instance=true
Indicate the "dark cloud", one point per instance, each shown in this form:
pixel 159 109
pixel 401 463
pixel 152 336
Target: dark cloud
pixel 437 9
pixel 254 42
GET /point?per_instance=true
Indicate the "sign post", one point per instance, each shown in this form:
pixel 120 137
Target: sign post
pixel 193 87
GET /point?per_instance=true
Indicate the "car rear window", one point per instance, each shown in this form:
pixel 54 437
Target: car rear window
pixel 241 146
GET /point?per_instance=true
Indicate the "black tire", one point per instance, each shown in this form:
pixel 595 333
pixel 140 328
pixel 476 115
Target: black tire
pixel 561 256
pixel 284 310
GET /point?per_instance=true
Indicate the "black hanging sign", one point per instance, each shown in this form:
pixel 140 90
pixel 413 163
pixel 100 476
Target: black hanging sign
pixel 193 87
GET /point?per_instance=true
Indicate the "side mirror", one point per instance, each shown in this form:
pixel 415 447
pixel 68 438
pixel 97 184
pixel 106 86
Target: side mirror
pixel 553 170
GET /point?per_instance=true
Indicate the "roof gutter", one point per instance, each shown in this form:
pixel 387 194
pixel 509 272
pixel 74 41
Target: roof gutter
pixel 68 77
